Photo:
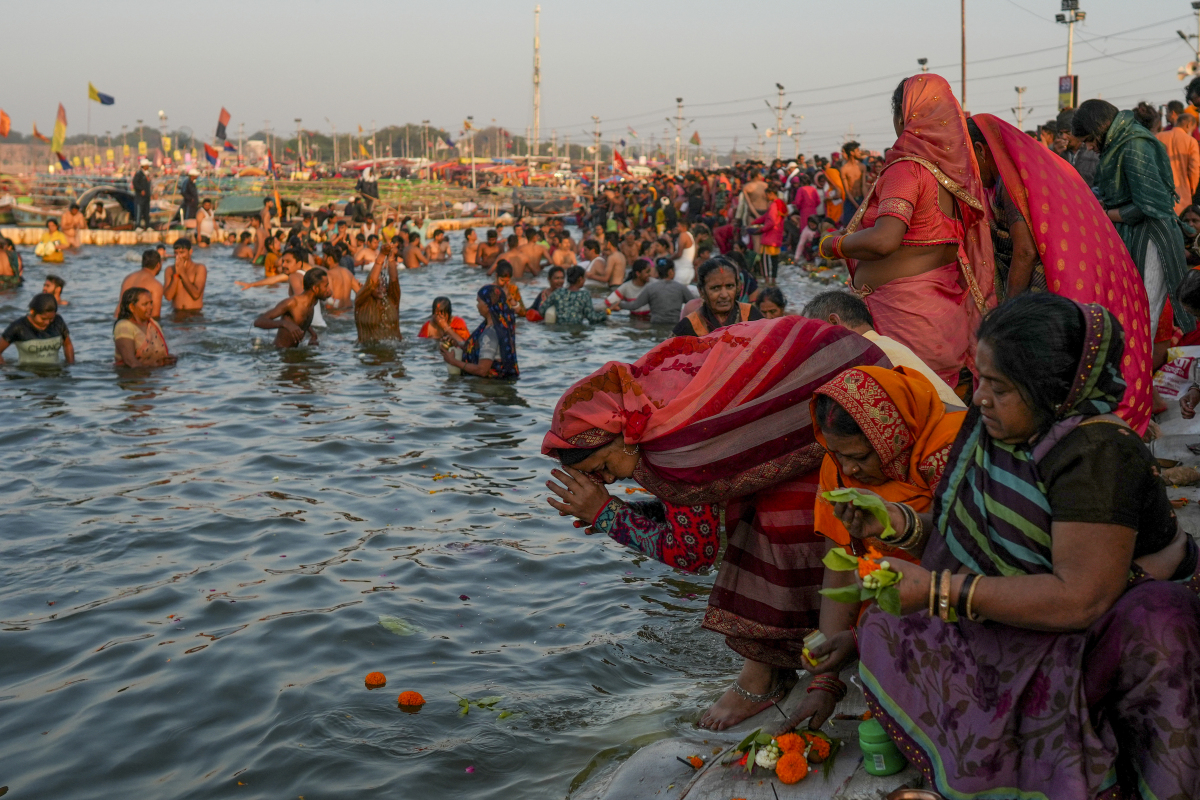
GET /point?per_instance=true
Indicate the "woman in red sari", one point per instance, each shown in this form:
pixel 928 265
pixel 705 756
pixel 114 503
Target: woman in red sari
pixel 703 423
pixel 1059 229
pixel 918 248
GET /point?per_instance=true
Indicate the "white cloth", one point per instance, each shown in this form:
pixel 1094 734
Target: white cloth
pixel 1156 285
pixel 318 318
pixel 685 270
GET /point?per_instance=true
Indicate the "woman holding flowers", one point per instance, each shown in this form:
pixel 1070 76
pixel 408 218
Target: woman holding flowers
pixel 885 431
pixel 1049 643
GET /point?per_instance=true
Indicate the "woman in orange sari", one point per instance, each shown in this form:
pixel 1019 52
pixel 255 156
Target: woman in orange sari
pixel 1057 228
pixel 886 432
pixel 918 248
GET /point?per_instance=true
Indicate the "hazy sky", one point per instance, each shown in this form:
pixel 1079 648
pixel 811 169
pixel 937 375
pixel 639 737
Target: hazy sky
pixel 397 62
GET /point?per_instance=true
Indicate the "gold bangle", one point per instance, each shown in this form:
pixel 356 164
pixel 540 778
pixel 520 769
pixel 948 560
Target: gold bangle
pixel 933 580
pixel 971 599
pixel 944 597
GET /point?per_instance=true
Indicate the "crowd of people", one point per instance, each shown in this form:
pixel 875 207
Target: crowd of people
pixel 987 376
pixel 986 373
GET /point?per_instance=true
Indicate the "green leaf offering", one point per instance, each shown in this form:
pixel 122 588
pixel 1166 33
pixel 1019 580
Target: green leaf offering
pixel 867 502
pixel 878 584
pixel 400 626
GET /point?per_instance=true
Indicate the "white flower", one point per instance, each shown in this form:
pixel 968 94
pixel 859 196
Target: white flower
pixel 766 758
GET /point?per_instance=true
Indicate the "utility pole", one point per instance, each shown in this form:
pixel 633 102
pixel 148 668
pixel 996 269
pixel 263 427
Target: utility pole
pixel 554 145
pixel 241 135
pixel 1020 109
pixel 963 97
pixel 796 133
pixel 374 149
pixel 678 128
pixel 470 129
pixel 596 162
pixel 537 78
pixel 1071 14
pixel 299 145
pixel 267 131
pixel 779 109
pixel 335 147
pixel 425 144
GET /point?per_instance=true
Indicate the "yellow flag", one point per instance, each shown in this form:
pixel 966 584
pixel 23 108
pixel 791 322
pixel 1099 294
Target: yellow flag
pixel 363 150
pixel 76 162
pixel 166 144
pixel 87 162
pixel 178 156
pixel 141 149
pixel 110 155
pixel 125 150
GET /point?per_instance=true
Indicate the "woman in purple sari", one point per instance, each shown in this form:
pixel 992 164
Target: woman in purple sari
pixel 1073 669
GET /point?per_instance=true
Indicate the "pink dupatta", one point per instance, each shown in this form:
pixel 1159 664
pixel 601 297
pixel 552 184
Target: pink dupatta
pixel 1084 258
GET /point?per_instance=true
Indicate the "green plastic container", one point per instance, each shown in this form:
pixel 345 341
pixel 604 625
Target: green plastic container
pixel 880 754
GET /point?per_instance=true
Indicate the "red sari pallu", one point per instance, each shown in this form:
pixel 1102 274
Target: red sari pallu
pixel 723 420
pixel 1083 255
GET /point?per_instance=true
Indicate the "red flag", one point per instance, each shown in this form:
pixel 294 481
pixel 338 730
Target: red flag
pixel 5 123
pixel 619 162
pixel 39 136
pixel 222 121
pixel 211 154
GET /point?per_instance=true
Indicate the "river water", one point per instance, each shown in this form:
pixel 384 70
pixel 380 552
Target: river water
pixel 195 562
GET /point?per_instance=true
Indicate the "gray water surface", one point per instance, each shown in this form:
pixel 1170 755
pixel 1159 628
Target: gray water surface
pixel 194 562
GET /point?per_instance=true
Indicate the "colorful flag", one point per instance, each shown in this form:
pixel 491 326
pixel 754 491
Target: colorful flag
pixel 229 148
pixel 270 163
pixel 5 123
pixel 63 162
pixel 142 149
pixel 619 163
pixel 60 130
pixel 449 141
pixel 211 154
pixel 363 150
pixel 110 155
pixel 222 121
pixel 38 136
pixel 632 132
pixel 100 97
pixel 166 143
pixel 695 138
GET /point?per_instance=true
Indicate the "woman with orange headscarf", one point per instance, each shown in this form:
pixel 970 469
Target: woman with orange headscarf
pixel 886 432
pixel 918 248
pixel 1055 236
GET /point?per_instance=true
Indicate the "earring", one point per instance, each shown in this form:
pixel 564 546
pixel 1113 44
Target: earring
pixel 625 450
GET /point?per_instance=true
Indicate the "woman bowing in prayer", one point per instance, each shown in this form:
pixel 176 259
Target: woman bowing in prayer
pixel 1051 638
pixel 1051 233
pixel 719 421
pixel 919 249
pixel 491 349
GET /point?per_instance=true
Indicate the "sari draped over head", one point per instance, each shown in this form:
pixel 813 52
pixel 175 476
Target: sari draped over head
pixel 1134 175
pixel 988 710
pixel 1084 258
pixel 908 426
pixel 504 323
pixel 935 313
pixel 724 419
pixel 717 416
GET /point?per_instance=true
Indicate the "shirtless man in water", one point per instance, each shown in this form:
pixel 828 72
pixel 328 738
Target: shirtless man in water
pixel 145 278
pixel 438 248
pixel 414 256
pixel 564 252
pixel 471 248
pixel 341 283
pixel 292 318
pixel 72 223
pixel 524 258
pixel 185 279
pixel 490 250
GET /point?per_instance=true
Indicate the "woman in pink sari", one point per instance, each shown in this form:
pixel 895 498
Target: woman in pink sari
pixel 1062 240
pixel 918 248
pixel 716 422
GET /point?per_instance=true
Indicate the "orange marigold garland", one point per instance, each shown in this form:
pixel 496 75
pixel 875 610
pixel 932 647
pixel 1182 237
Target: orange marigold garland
pixel 819 747
pixel 790 743
pixel 374 680
pixel 411 699
pixel 791 768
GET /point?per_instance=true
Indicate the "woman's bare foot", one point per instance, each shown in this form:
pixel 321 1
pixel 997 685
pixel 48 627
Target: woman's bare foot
pixel 733 707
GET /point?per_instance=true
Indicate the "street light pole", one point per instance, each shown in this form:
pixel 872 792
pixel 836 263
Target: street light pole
pixel 596 160
pixel 678 128
pixel 1071 14
pixel 779 109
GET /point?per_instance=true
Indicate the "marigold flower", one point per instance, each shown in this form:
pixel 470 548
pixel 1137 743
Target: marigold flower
pixel 375 680
pixel 870 562
pixel 820 748
pixel 790 743
pixel 695 761
pixel 411 699
pixel 791 768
